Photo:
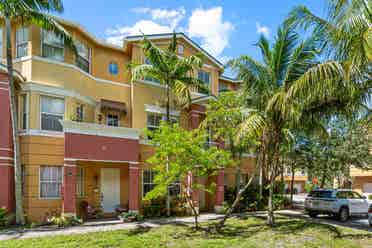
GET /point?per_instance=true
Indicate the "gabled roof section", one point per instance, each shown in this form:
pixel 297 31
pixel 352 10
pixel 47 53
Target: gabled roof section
pixel 88 34
pixel 231 80
pixel 178 35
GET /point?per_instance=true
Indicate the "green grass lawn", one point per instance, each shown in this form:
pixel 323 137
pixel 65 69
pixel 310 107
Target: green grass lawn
pixel 247 232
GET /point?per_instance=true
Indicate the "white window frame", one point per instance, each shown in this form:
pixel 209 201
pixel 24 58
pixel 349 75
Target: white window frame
pixel 80 180
pixel 41 112
pixel 173 118
pixel 25 111
pixel 180 49
pixel 147 183
pixel 21 43
pixel 107 120
pixel 51 181
pixel 42 33
pixel 89 60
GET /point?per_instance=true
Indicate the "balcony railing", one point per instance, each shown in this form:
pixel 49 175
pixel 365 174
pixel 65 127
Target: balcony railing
pixel 100 130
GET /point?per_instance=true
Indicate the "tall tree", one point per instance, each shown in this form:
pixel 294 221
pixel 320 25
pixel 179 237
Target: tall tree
pixel 30 12
pixel 175 73
pixel 187 156
pixel 272 88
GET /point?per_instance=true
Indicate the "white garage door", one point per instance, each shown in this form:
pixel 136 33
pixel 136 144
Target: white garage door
pixel 367 188
pixel 298 187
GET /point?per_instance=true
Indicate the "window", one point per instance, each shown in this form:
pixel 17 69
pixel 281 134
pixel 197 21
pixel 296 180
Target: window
pixel 148 184
pixel 180 49
pixel 113 68
pixel 83 56
pixel 52 45
pixel 21 42
pixel 205 77
pixel 223 87
pixel 148 181
pixel 80 181
pixel 80 113
pixel 112 120
pixel 24 111
pixel 153 120
pixel 50 181
pixel 147 62
pixel 1 42
pixel 52 110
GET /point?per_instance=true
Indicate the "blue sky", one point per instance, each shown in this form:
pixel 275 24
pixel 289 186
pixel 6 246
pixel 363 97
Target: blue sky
pixel 226 29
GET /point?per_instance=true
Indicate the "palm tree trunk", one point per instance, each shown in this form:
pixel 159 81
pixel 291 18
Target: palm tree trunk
pixel 292 181
pixel 270 211
pixel 273 172
pixel 168 122
pixel 17 163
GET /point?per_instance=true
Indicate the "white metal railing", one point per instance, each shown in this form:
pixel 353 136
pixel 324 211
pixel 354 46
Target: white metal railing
pixel 100 130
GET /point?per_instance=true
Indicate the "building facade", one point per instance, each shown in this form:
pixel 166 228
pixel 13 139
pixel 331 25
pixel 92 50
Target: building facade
pixel 80 121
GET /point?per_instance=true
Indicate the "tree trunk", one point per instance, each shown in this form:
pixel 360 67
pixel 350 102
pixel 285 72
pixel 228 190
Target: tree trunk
pixel 322 182
pixel 236 201
pixel 167 119
pixel 274 162
pixel 292 181
pixel 192 206
pixel 270 211
pixel 17 163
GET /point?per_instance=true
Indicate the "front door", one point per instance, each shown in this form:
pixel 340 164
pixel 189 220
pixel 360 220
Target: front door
pixel 110 189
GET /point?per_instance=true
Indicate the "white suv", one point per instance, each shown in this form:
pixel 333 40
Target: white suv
pixel 341 203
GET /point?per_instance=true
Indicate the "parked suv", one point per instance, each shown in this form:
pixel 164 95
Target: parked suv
pixel 341 203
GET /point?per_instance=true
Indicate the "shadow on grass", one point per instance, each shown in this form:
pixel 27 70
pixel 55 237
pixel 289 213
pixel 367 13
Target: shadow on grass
pixel 245 230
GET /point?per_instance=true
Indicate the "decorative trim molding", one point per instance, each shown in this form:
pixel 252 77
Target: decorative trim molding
pixel 249 155
pixel 160 110
pixel 98 80
pixel 7 158
pixel 46 89
pixel 108 161
pixel 38 132
pixel 100 130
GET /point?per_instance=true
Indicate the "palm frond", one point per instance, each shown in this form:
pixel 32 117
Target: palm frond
pixel 313 81
pixel 251 127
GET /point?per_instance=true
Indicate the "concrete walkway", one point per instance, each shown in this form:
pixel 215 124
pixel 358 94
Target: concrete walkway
pixel 356 223
pixel 98 226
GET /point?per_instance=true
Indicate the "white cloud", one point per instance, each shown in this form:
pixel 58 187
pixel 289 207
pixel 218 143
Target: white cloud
pixel 208 25
pixel 172 17
pixel 262 29
pixel 162 21
pixel 205 24
pixel 116 35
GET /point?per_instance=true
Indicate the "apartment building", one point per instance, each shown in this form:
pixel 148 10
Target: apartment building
pixel 80 121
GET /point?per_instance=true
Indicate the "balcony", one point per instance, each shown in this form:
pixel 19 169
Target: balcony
pixel 95 142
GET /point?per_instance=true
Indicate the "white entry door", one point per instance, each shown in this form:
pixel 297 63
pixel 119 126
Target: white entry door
pixel 110 189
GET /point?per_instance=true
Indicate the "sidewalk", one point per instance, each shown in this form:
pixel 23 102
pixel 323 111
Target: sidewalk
pixel 98 226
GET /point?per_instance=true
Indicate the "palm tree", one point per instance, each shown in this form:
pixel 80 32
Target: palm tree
pixel 173 72
pixel 170 70
pixel 269 86
pixel 345 36
pixel 34 12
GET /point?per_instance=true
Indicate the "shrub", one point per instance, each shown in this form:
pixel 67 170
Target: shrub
pixel 62 221
pixel 309 187
pixel 280 201
pixel 369 197
pixel 157 207
pixel 131 216
pixel 3 217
